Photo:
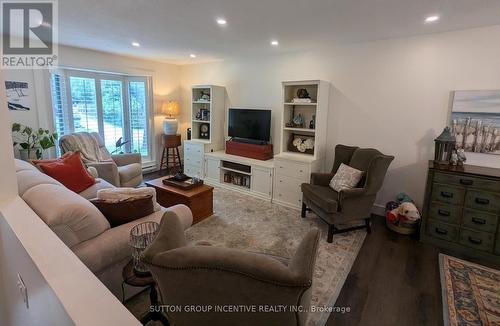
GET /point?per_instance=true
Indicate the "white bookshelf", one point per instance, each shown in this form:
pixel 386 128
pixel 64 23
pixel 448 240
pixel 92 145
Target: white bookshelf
pixel 195 148
pixel 215 109
pixel 292 168
pixel 319 92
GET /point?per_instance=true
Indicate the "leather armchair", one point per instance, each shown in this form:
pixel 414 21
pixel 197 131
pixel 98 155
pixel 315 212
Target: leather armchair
pixel 348 205
pixel 206 276
pixel 122 170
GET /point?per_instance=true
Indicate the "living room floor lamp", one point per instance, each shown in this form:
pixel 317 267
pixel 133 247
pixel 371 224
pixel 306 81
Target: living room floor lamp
pixel 170 109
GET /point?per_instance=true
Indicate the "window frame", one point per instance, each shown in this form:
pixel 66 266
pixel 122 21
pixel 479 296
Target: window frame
pixel 97 76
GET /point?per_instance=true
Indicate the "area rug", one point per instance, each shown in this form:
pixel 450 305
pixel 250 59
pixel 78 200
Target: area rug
pixel 470 292
pixel 246 222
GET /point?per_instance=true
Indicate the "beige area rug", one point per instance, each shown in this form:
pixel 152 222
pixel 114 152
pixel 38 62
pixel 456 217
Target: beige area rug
pixel 245 222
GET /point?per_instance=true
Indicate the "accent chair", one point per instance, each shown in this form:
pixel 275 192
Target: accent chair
pixel 208 276
pixel 121 170
pixel 348 205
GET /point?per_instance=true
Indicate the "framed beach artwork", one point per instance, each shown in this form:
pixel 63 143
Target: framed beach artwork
pixel 475 120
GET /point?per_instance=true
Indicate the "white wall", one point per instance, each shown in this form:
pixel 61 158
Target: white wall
pixel 165 83
pixel 392 95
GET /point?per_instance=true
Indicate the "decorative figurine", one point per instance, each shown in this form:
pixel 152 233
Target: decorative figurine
pixel 205 96
pixel 461 156
pixel 303 93
pixel 312 124
pixel 454 158
pixel 298 121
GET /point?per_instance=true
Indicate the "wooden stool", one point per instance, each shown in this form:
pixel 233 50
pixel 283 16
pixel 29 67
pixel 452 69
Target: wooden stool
pixel 170 157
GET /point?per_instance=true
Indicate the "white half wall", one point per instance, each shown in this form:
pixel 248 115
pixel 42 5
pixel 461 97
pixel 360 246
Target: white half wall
pixel 392 95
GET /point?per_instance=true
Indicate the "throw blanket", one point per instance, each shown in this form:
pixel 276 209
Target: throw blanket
pixel 115 195
pixel 88 146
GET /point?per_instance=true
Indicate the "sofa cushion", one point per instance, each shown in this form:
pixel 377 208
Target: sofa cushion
pixel 324 197
pixel 22 165
pixel 73 218
pixel 91 192
pixel 70 171
pixel 28 178
pixel 129 172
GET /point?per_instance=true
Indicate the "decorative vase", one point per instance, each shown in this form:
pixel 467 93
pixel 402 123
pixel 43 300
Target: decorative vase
pixel 141 237
pixel 27 154
pixel 170 126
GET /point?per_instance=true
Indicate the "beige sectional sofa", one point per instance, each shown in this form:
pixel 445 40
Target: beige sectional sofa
pixel 81 226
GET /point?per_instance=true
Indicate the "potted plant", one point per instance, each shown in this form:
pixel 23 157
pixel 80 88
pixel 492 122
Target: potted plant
pixel 31 142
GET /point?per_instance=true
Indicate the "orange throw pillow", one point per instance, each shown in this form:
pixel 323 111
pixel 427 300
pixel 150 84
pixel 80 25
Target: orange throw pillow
pixel 70 171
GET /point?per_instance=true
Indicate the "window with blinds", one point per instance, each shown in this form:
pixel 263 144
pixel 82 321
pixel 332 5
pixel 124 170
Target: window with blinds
pixel 138 116
pixel 112 113
pixel 115 106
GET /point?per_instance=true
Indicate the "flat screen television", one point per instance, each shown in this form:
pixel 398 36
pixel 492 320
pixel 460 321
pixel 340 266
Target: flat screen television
pixel 250 124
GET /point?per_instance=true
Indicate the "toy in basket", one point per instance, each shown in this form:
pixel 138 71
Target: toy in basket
pixel 402 216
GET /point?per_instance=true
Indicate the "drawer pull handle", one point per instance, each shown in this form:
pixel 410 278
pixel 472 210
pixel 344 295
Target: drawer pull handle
pixel 447 194
pixel 466 182
pixel 441 231
pixel 478 220
pixel 482 201
pixel 475 240
pixel 444 213
pixel 301 171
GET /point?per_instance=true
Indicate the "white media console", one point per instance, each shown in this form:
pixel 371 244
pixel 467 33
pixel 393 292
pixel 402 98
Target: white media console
pixel 246 175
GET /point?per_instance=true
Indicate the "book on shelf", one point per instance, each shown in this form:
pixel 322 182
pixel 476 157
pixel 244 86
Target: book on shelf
pixel 301 100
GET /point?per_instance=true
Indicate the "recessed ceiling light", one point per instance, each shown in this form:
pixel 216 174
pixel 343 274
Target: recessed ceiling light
pixel 274 43
pixel 136 44
pixel 432 19
pixel 221 21
pixel 192 55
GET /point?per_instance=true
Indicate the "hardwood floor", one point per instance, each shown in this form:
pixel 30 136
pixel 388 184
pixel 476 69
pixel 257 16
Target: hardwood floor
pixel 395 280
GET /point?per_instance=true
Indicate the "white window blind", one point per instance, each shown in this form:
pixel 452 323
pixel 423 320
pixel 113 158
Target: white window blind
pixel 58 94
pixel 115 106
pixel 138 117
pixel 84 104
pixel 112 112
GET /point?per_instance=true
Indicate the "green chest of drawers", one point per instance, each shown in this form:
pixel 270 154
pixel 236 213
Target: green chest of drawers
pixel 462 210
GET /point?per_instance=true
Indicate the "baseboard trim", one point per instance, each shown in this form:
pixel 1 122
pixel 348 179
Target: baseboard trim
pixel 378 209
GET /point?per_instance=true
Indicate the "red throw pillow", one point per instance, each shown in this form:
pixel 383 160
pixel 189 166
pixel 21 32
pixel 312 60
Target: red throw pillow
pixel 69 171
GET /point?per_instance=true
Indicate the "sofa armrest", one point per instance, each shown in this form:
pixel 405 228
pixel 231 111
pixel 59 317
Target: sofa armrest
pixel 107 171
pixel 321 179
pixel 126 159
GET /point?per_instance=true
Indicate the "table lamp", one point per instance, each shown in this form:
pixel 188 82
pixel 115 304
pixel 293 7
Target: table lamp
pixel 170 124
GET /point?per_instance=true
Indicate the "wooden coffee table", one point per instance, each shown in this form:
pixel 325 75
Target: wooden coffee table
pixel 198 199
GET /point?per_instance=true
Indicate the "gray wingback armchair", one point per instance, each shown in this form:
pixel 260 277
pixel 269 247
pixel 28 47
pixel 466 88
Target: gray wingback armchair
pixel 121 170
pixel 207 276
pixel 350 204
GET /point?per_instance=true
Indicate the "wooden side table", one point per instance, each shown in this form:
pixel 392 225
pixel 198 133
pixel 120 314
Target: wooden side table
pixel 170 157
pixel 130 278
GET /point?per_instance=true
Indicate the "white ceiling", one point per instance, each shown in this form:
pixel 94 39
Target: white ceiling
pixel 169 30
